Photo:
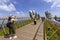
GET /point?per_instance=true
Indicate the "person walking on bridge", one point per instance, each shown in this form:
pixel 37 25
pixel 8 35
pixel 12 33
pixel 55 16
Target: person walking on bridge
pixel 35 21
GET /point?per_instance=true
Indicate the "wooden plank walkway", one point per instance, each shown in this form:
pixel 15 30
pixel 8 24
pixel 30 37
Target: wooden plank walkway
pixel 29 31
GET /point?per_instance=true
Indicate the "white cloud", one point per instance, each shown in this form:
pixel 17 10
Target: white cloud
pixel 12 7
pixel 58 5
pixel 9 7
pixel 21 14
pixel 55 3
pixel 17 12
pixel 1 15
pixel 15 2
pixel 48 1
pixel 4 6
pixel 4 1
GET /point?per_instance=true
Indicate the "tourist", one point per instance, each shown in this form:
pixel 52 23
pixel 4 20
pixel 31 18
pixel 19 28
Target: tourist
pixel 11 26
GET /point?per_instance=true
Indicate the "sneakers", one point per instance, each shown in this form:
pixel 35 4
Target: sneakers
pixel 10 37
pixel 15 37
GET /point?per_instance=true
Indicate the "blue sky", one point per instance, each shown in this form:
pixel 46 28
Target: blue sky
pixel 20 8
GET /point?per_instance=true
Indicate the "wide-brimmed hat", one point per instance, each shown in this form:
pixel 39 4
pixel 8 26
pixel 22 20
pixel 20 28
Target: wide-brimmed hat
pixel 12 16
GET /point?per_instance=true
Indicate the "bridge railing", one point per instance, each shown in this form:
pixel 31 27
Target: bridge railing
pixel 51 31
pixel 21 22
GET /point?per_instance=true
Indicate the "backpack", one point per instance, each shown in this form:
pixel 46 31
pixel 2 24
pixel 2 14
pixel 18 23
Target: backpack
pixel 7 24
